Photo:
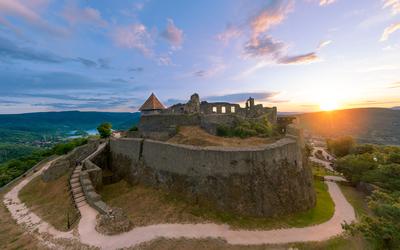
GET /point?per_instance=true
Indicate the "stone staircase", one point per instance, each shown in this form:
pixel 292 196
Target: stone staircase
pixel 76 188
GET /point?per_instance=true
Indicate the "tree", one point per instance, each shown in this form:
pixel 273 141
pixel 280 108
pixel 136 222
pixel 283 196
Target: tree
pixel 104 130
pixel 383 229
pixel 341 146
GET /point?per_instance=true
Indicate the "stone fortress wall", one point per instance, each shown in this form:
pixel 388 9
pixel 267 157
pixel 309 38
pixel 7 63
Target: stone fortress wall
pixel 262 181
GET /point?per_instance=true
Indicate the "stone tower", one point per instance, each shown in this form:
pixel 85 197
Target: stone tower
pixel 193 105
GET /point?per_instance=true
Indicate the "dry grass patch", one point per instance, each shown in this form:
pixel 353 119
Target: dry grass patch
pixel 193 135
pixel 50 201
pixel 146 206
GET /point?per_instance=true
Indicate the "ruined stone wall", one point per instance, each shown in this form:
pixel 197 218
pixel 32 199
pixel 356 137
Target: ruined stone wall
pixel 67 162
pixel 266 181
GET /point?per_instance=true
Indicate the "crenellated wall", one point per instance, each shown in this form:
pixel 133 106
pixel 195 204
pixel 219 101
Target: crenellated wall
pixel 261 181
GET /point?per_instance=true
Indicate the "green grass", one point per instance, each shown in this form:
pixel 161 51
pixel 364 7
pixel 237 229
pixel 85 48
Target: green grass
pixel 319 170
pixel 50 201
pixel 147 206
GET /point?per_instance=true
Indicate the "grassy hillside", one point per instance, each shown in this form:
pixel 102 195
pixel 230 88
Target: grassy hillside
pixel 366 125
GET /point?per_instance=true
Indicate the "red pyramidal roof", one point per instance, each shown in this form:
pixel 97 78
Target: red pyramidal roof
pixel 152 103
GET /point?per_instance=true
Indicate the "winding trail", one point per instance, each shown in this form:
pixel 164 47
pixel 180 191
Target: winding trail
pixel 88 234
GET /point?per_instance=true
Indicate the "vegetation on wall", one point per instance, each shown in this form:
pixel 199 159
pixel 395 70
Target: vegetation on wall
pixel 15 167
pixel 248 128
pixel 378 165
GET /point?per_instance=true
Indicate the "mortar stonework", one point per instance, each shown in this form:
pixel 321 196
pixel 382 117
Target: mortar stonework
pixel 260 181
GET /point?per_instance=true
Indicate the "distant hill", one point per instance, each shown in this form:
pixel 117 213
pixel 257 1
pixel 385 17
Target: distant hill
pixel 366 125
pixel 19 128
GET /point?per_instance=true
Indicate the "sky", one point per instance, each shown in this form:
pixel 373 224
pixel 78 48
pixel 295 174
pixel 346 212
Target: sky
pixel 101 55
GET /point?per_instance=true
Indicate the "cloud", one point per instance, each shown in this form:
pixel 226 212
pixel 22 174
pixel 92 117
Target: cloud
pixel 26 11
pixel 273 14
pixel 241 97
pixel 393 4
pixel 265 46
pixel 28 82
pixel 323 44
pixel 326 2
pixel 389 30
pixel 216 67
pixel 104 63
pixel 262 45
pixel 134 36
pixel 230 33
pixel 395 85
pixel 87 62
pixel 75 15
pixel 119 80
pixel 9 50
pixel 299 59
pixel 173 34
pixel 136 69
pixel 164 61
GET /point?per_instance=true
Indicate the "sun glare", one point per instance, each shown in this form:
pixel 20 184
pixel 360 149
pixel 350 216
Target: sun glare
pixel 329 105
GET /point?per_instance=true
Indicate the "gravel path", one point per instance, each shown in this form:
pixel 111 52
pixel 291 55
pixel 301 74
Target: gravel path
pixel 23 215
pixel 88 235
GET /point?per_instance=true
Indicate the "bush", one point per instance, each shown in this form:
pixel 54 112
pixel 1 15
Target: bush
pixel 245 129
pixel 105 130
pixel 134 128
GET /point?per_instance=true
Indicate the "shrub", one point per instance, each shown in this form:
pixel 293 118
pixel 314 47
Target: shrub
pixel 134 128
pixel 104 130
pixel 245 129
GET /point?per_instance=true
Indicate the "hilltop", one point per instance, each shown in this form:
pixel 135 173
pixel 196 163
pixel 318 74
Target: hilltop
pixel 366 125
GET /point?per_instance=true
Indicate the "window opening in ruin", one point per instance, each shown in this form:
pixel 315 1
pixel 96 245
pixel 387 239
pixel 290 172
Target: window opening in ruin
pixel 233 109
pixel 223 109
pixel 214 109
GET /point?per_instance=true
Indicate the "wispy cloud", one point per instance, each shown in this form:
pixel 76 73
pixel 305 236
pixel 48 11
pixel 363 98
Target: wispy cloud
pixel 75 15
pixel 323 44
pixel 229 33
pixel 173 34
pixel 395 85
pixel 265 47
pixel 135 36
pixel 241 97
pixel 299 59
pixel 25 10
pixel 326 2
pixel 389 30
pixel 273 14
pixel 394 5
pixel 9 50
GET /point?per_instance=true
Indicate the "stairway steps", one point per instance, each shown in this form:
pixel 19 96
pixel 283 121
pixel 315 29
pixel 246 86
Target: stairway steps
pixel 75 185
pixel 77 200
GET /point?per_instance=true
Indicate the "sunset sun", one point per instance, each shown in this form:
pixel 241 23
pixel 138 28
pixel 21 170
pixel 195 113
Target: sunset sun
pixel 329 105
